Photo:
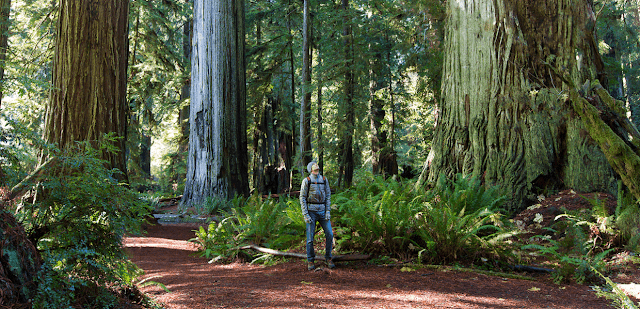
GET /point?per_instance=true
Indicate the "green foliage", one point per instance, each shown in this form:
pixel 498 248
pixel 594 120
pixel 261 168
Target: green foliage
pixel 17 151
pixel 456 222
pixel 77 219
pixel 378 216
pixel 627 219
pixel 463 221
pixel 219 241
pixel 468 195
pixel 619 297
pixel 573 254
pixel 214 205
pixel 277 224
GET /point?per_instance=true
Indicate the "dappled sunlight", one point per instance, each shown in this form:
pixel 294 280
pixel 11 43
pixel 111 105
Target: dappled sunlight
pixel 154 242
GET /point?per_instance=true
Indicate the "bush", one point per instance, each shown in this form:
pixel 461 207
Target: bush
pixel 277 224
pixel 378 216
pixel 462 221
pixel 77 218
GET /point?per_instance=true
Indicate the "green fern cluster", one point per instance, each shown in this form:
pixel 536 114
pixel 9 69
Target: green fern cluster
pixel 276 224
pixel 463 221
pixel 378 216
pixel 458 219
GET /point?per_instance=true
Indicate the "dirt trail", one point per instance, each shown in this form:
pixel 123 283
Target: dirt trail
pixel 166 257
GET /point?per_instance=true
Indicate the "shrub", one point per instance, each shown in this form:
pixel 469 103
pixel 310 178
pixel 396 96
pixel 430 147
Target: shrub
pixel 277 224
pixel 463 222
pixel 378 216
pixel 77 219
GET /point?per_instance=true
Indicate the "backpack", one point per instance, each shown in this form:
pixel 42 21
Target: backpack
pixel 323 183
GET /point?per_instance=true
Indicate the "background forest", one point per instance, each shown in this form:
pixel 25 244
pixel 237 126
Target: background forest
pixel 397 76
pixel 372 86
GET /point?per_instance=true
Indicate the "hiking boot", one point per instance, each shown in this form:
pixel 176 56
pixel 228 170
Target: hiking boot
pixel 330 264
pixel 311 266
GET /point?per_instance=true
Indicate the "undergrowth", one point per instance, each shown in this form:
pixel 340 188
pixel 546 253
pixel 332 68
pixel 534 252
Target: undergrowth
pixel 459 220
pixel 76 215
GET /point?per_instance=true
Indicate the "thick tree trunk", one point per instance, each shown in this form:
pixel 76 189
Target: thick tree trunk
pixel 217 162
pixel 503 113
pixel 88 97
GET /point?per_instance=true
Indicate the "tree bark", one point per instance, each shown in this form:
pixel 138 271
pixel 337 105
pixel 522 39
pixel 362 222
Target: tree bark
pixel 5 10
pixel 185 94
pixel 347 164
pixel 217 163
pixel 503 113
pixel 305 105
pixel 89 93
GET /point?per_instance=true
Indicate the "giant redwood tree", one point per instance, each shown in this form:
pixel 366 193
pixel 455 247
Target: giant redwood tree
pixel 89 93
pixel 217 165
pixel 505 113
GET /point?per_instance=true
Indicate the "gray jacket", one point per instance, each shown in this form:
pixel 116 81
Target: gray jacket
pixel 315 195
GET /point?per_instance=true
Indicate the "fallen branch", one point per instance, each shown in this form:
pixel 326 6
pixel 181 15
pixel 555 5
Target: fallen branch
pixel 531 269
pixel 621 156
pixel 338 258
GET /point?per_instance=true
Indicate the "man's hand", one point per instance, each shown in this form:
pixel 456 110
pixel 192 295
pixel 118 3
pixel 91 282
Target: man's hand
pixel 327 215
pixel 307 219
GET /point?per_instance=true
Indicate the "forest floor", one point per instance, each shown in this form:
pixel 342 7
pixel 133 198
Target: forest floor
pixel 167 257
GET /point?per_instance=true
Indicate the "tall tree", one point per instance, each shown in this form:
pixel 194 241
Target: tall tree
pixel 88 97
pixel 503 113
pixel 347 163
pixel 217 162
pixel 5 9
pixel 305 105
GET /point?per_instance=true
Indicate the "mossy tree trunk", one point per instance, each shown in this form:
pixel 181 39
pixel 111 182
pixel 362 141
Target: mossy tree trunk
pixel 89 93
pixel 218 160
pixel 504 115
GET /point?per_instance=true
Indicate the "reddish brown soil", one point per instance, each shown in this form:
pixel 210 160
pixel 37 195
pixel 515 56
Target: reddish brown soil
pixel 167 257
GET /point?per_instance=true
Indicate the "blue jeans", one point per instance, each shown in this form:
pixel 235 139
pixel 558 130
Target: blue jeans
pixel 311 231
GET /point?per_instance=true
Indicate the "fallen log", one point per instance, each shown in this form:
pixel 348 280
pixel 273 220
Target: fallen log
pixel 531 269
pixel 337 258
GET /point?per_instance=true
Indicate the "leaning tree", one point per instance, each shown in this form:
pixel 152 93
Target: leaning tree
pixel 507 113
pixel 217 165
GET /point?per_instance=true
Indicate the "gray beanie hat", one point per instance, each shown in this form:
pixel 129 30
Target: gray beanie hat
pixel 312 166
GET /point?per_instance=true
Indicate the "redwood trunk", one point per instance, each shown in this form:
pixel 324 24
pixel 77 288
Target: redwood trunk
pixel 504 115
pixel 217 163
pixel 88 97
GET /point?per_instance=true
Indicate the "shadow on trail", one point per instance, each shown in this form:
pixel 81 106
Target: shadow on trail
pixel 196 284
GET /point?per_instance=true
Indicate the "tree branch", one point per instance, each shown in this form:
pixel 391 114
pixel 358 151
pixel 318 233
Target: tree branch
pixel 29 180
pixel 348 257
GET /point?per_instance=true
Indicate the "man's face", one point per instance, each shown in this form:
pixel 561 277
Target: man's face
pixel 315 172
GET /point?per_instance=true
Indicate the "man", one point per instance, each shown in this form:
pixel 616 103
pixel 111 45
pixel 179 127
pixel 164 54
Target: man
pixel 315 200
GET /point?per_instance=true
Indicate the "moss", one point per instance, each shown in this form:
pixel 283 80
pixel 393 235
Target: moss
pixel 621 157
